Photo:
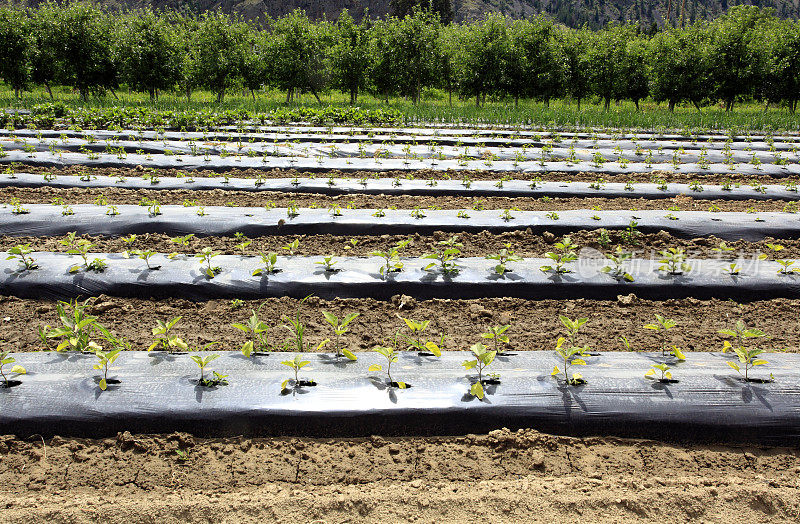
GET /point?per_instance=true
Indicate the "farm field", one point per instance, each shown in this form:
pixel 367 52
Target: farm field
pixel 503 324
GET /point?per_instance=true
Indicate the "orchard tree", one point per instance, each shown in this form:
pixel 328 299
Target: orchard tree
pixel 779 78
pixel 482 55
pixel 634 71
pixel 413 47
pixel 607 59
pixel 350 54
pixel 218 49
pixel 536 64
pixel 16 48
pixel 297 54
pixel 382 60
pixel 735 64
pixel 255 60
pixel 679 65
pixel 84 40
pixel 574 45
pixel 149 53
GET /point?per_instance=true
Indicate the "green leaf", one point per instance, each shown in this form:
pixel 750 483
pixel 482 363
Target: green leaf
pixel 349 354
pixel 734 365
pixel 759 362
pixel 477 390
pixel 103 384
pixel 375 367
pixel 284 383
pixel 433 348
pixel 330 318
pixel 247 348
pixel 469 364
pixel 402 385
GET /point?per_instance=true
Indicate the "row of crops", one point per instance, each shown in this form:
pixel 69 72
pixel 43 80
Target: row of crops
pixel 100 233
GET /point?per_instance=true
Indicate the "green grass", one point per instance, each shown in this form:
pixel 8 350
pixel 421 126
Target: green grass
pixel 434 108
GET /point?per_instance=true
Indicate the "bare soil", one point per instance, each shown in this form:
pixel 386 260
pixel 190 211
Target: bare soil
pixel 423 174
pixel 534 324
pixel 504 476
pixel 221 197
pixel 524 243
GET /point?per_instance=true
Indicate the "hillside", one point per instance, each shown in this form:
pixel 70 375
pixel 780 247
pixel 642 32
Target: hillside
pixel 570 12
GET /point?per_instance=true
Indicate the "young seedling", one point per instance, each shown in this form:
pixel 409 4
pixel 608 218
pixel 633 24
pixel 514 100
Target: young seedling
pixel 617 258
pixel 327 264
pixel 748 360
pixel 259 335
pixel 661 326
pixel 498 336
pixel 129 241
pixel 666 374
pixel 81 247
pixel 483 358
pixel 339 329
pixel 298 329
pixel 269 261
pixel 205 257
pixel 415 341
pixel 505 256
pixel 77 328
pixel 146 256
pixel 570 355
pixel 673 261
pixel 391 258
pixel 740 333
pixel 22 251
pixel 724 250
pixel 16 369
pixel 630 233
pixel 243 242
pixel 785 265
pixel 391 357
pixel 296 364
pixel 105 359
pixel 566 254
pixel 202 363
pixel 291 248
pixel 166 341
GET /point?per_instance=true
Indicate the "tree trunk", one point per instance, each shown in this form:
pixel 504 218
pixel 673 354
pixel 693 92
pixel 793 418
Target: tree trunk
pixel 683 8
pixel 49 91
pixel 477 100
pixel 188 94
pixel 314 91
pixel 288 95
pixel 449 95
pixel 516 101
pixel 579 104
pixel 669 12
pixel 636 103
pixel 152 94
pixel 220 96
pixel 607 104
pixel 697 105
pixel 253 94
pixel 672 106
pixel 547 102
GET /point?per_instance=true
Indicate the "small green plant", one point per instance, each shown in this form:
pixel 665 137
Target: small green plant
pixel 747 357
pixel 340 328
pixel 569 353
pixel 105 359
pixel 269 262
pixel 243 242
pixel 617 258
pixel 723 249
pixel 296 364
pixel 565 254
pixel 17 208
pixel 391 357
pixel 259 335
pixel 552 215
pixel 205 256
pixel 666 374
pixel 740 333
pixel 505 256
pixel 22 252
pixel 146 255
pixel 415 341
pixel 662 326
pixel 391 258
pixel 497 335
pixel 77 328
pixel 297 328
pixel 446 257
pixel 292 247
pixel 630 233
pixel 483 358
pixel 418 212
pixel 673 261
pixel 16 369
pixel 216 379
pixel 166 341
pixel 328 264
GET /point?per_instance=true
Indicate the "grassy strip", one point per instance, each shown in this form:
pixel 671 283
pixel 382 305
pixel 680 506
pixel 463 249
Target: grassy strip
pixel 173 111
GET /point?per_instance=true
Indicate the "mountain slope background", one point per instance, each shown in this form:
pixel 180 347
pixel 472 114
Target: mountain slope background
pixel 574 13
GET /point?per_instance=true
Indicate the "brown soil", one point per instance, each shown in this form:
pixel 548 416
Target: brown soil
pixel 504 476
pixel 423 174
pixel 221 197
pixel 534 324
pixel 524 242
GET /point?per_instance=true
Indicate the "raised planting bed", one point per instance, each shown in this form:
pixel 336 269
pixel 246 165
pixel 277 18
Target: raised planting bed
pixel 158 392
pixel 191 162
pixel 229 276
pixel 47 220
pixel 400 186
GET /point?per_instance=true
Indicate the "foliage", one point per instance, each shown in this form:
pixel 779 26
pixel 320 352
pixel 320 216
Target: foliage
pixel 483 358
pixel 16 369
